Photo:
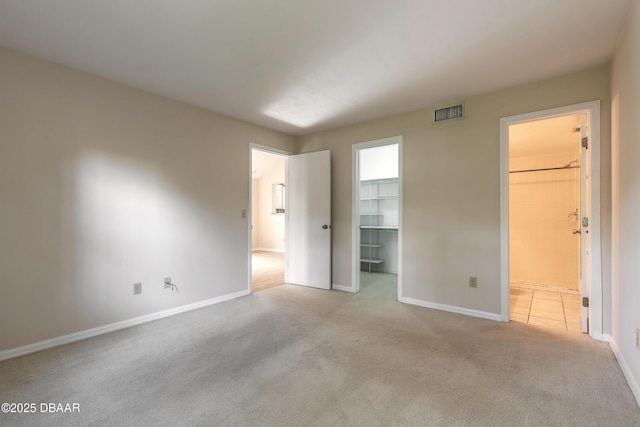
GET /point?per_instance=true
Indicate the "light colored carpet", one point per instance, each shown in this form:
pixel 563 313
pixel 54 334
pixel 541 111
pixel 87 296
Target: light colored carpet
pixel 294 356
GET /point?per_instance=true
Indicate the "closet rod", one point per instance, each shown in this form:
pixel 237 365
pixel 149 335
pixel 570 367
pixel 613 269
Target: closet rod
pixel 546 169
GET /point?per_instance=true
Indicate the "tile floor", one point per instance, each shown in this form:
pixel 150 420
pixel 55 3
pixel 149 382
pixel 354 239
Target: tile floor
pixel 551 308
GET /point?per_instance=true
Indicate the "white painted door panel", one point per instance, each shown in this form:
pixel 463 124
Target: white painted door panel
pixel 309 219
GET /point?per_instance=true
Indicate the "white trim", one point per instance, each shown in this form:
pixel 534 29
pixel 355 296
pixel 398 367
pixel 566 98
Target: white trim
pixel 88 333
pixel 268 149
pixel 592 108
pixel 285 154
pixel 452 309
pixel 504 220
pixel 355 209
pixel 268 250
pixel 633 384
pixel 343 288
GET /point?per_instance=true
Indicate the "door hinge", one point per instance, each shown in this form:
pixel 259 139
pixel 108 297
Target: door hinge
pixel 585 221
pixel 585 301
pixel 585 142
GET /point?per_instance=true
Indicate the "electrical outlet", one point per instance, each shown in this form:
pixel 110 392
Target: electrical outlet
pixel 137 288
pixel 167 283
pixel 638 338
pixel 473 282
pixel 243 213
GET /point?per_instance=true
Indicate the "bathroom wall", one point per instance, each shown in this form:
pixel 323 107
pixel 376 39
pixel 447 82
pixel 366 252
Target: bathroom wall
pixel 271 226
pixel 255 208
pixel 543 249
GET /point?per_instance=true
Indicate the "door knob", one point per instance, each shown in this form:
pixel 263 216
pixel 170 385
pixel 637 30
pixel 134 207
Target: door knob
pixel 576 231
pixel 324 227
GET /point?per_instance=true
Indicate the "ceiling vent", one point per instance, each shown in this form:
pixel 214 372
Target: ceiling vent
pixel 448 113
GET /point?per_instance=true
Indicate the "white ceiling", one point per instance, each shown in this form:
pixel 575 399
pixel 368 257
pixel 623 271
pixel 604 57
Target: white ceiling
pixel 263 162
pixel 545 137
pixel 303 66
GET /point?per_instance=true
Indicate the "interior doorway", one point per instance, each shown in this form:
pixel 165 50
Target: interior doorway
pixel 544 222
pixel 268 208
pixel 550 219
pixel 378 217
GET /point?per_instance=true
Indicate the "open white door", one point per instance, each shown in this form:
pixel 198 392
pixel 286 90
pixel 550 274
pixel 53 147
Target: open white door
pixel 584 221
pixel 309 220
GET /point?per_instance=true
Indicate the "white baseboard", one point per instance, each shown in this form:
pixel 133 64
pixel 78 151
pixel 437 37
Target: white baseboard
pixel 88 333
pixel 452 309
pixel 633 383
pixel 268 250
pixel 343 288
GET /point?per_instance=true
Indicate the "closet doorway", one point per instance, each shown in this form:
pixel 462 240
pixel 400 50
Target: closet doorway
pixel 377 206
pixel 268 207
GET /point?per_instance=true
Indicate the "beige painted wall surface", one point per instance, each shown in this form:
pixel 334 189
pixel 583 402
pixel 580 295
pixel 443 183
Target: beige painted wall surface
pixel 271 234
pixel 626 195
pixel 452 188
pixel 103 185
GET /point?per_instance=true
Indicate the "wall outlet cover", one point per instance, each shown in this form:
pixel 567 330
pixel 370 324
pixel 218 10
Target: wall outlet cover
pixel 167 283
pixel 137 288
pixel 638 338
pixel 473 282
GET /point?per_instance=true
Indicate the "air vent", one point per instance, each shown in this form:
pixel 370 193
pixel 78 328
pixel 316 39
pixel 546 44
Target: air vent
pixel 446 114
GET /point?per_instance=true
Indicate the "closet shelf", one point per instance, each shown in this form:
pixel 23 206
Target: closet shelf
pixel 378 210
pixel 380 197
pixel 372 261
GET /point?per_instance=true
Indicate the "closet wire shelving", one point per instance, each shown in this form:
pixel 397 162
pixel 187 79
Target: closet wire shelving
pixel 378 214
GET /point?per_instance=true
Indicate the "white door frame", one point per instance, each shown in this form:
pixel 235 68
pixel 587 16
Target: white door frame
pixel 592 109
pixel 355 218
pixel 285 154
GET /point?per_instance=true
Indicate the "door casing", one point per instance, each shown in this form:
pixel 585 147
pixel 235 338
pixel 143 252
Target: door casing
pixel 355 219
pixel 254 146
pixel 592 109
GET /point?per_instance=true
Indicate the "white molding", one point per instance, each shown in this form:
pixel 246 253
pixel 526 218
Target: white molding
pixel 268 250
pixel 633 383
pixel 355 219
pixel 355 207
pixel 452 309
pixel 504 220
pixel 592 108
pixel 343 288
pixel 100 330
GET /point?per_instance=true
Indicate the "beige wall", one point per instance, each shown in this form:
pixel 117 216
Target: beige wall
pixel 542 248
pixel 452 188
pixel 103 185
pixel 271 228
pixel 626 196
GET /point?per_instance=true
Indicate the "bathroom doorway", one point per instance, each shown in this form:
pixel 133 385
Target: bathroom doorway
pixel 544 222
pixel 268 207
pixel 586 229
